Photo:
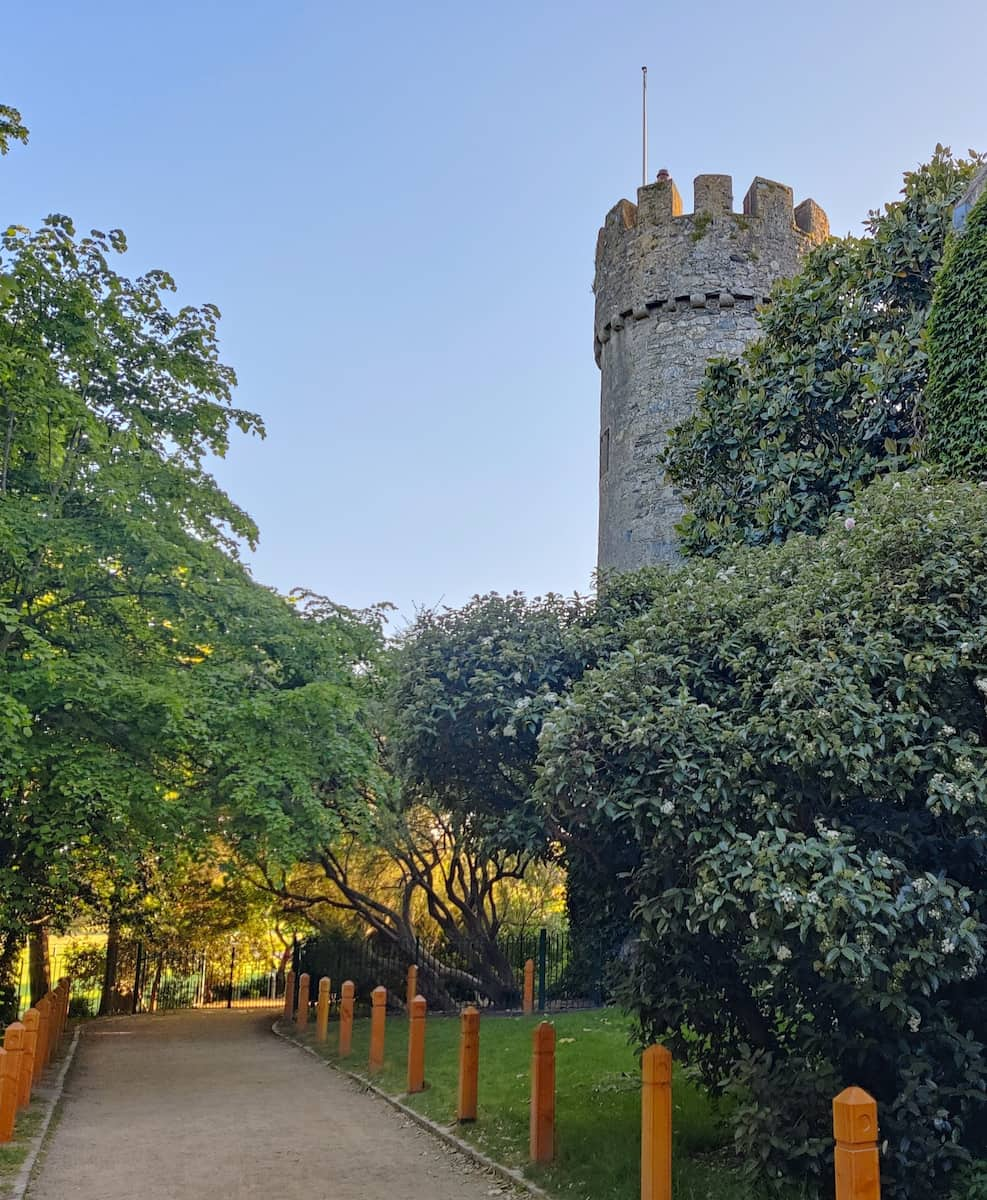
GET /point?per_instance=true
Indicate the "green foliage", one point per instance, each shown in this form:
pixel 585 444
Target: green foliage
pixel 470 688
pixel 11 128
pixel 150 692
pixel 792 743
pixel 828 397
pixel 955 406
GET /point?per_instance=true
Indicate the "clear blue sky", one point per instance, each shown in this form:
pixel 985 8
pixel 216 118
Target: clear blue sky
pixel 395 206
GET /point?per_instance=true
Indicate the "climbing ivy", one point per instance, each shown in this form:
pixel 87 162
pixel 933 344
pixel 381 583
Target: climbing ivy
pixel 956 397
pixel 828 397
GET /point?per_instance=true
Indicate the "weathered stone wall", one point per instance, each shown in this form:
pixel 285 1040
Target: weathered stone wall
pixel 978 186
pixel 673 290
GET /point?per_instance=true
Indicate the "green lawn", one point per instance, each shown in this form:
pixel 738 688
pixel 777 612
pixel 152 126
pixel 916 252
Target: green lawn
pixel 13 1153
pixel 598 1106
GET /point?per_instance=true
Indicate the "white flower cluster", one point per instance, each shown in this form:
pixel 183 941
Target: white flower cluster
pixel 788 898
pixel 812 897
pixel 947 945
pixel 915 1023
pixel 667 808
pixel 783 953
pixel 981 685
pixel 947 731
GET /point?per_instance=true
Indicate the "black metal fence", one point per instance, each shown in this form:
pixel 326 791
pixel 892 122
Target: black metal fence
pixel 489 975
pixel 149 979
pixel 239 974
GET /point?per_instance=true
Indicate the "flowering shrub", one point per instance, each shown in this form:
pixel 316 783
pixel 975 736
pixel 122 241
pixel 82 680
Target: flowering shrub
pixel 790 745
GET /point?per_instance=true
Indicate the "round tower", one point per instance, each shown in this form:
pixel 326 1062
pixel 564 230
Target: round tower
pixel 674 289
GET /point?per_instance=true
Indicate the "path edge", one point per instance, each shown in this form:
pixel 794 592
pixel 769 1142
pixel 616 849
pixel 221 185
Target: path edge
pixel 509 1174
pixel 18 1189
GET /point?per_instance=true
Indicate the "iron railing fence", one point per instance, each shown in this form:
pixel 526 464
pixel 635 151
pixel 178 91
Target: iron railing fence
pixel 450 975
pixel 237 974
pixel 154 980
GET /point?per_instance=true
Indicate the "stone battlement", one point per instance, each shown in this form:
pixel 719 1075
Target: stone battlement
pixel 651 251
pixel 673 289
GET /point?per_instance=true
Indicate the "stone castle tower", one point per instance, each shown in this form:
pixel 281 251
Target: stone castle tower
pixel 673 290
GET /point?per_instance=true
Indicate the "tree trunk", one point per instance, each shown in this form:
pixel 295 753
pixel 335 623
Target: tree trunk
pixel 110 970
pixel 10 953
pixel 156 984
pixel 39 965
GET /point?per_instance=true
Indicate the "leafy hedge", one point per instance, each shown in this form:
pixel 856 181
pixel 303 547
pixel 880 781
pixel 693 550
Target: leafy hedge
pixel 956 397
pixel 791 744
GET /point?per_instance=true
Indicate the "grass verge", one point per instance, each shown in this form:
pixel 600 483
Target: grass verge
pixel 598 1105
pixel 13 1153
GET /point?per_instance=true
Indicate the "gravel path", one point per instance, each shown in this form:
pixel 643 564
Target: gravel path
pixel 211 1104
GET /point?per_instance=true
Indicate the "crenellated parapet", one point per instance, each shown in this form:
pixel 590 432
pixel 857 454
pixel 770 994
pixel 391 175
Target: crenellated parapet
pixel 653 258
pixel 674 289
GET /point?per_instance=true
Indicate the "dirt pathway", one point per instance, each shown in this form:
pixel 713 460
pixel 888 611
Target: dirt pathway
pixel 212 1104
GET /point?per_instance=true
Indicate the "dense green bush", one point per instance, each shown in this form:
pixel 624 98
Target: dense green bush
pixel 956 397
pixel 828 397
pixel 791 742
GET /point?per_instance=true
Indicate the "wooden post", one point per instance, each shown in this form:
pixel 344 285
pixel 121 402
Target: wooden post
pixel 858 1174
pixel 289 995
pixel 469 1063
pixel 346 1020
pixel 378 1014
pixel 10 1078
pixel 41 1045
pixel 322 1010
pixel 416 1045
pixel 29 1045
pixel 412 988
pixel 656 1124
pixel 542 1123
pixel 528 1005
pixel 301 1014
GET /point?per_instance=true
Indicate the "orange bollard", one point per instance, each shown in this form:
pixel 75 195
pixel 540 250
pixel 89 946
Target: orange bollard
pixel 542 1123
pixel 322 1010
pixel 378 1014
pixel 416 1045
pixel 469 1064
pixel 346 1019
pixel 41 1045
pixel 289 995
pixel 28 1045
pixel 411 990
pixel 656 1124
pixel 301 1013
pixel 528 1006
pixel 858 1174
pixel 10 1078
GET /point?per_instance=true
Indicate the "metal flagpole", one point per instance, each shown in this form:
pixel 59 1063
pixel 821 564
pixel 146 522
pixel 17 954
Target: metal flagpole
pixel 644 127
